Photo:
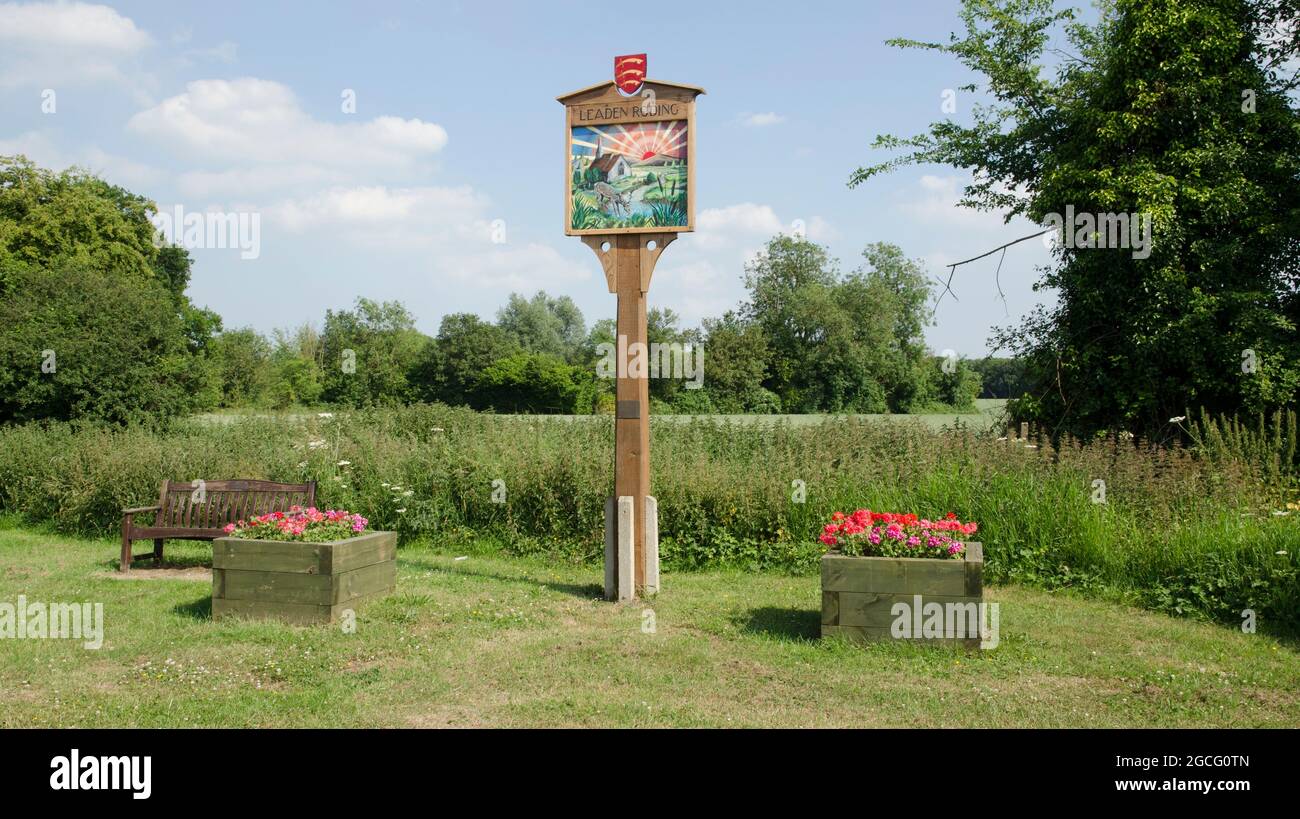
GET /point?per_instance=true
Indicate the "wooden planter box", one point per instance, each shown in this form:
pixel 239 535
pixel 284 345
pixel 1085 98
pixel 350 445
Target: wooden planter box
pixel 301 582
pixel 858 593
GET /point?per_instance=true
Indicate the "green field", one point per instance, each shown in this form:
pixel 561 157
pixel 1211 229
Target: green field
pixel 492 641
pixel 987 411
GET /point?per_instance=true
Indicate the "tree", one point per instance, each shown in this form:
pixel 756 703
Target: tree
pixel 63 355
pixel 790 300
pixel 1001 377
pixel 735 364
pixel 839 343
pixel 535 382
pixel 954 385
pixel 297 378
pixel 243 363
pixel 72 218
pixel 449 370
pixel 87 248
pixel 1151 117
pixel 1277 40
pixel 544 324
pixel 367 353
pixel 890 292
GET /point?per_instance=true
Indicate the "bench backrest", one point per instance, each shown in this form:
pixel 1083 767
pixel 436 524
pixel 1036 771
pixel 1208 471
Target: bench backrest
pixel 213 504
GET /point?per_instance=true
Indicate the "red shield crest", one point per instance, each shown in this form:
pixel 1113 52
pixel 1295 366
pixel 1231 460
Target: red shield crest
pixel 629 73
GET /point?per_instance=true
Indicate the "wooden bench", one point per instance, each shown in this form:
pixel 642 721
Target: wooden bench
pixel 200 510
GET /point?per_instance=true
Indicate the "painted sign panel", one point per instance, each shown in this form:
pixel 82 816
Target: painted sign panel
pixel 634 175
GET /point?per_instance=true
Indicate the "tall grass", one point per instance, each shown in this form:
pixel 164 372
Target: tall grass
pixel 1185 530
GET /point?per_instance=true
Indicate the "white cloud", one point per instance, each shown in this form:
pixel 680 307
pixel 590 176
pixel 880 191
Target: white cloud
pixel 329 183
pixel 78 25
pixel 820 230
pixel 41 149
pixel 119 170
pixel 267 179
pixel 718 227
pixel 937 206
pixel 747 223
pixel 695 288
pixel 763 119
pixel 450 227
pixel 378 212
pixel 52 45
pixel 525 268
pixel 37 147
pixel 251 121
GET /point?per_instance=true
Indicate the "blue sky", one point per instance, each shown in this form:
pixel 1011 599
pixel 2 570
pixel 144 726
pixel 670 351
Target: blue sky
pixel 238 106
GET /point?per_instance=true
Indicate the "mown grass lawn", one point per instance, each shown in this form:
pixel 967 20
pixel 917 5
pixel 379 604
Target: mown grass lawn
pixel 490 641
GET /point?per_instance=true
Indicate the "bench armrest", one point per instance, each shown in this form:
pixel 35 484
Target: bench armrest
pixel 137 510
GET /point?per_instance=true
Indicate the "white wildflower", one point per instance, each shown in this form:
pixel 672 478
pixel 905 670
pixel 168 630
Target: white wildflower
pixel 1177 418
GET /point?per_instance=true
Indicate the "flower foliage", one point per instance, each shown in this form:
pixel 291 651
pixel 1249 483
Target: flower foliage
pixel 310 525
pixel 884 534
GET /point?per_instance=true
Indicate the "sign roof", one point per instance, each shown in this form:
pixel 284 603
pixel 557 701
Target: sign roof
pixel 608 85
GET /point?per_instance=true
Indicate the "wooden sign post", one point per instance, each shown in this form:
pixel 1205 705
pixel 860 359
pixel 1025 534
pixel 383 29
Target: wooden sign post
pixel 629 189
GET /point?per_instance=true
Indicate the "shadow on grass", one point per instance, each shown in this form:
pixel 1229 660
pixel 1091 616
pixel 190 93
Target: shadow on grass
pixel 145 562
pixel 797 625
pixel 200 609
pixel 586 591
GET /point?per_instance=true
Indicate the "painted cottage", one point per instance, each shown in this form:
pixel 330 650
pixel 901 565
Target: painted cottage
pixel 612 166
